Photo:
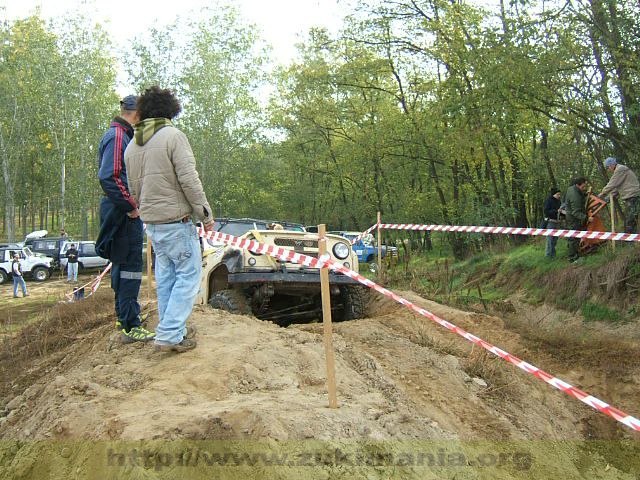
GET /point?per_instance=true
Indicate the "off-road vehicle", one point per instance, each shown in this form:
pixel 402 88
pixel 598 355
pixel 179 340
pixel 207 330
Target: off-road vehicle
pixel 48 246
pixel 240 281
pixel 33 266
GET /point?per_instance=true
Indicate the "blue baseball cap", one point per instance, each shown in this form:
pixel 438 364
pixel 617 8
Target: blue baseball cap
pixel 610 162
pixel 129 102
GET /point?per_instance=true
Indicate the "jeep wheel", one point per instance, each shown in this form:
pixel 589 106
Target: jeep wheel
pixel 40 274
pixel 353 303
pixel 3 277
pixel 232 301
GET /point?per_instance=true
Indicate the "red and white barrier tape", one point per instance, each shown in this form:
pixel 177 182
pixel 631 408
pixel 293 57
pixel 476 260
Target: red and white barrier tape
pixel 291 256
pixel 535 232
pixel 359 237
pixel 95 283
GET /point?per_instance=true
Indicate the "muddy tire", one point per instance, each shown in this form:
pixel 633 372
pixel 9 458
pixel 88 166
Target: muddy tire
pixel 353 303
pixel 3 277
pixel 40 274
pixel 232 301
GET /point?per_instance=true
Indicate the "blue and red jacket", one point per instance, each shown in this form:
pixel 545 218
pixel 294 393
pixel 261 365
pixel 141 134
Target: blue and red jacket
pixel 112 172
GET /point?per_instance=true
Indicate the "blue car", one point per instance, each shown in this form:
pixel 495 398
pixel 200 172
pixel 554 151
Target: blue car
pixel 366 248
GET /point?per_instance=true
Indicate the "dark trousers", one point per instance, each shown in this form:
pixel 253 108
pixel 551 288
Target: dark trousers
pixel 632 208
pixel 126 272
pixel 574 243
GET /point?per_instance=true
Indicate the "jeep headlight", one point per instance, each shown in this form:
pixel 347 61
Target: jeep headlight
pixel 341 250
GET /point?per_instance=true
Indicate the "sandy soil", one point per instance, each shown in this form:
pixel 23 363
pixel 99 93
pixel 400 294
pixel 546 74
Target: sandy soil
pixel 405 387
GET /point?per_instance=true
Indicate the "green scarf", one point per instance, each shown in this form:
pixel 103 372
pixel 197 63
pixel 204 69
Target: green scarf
pixel 148 127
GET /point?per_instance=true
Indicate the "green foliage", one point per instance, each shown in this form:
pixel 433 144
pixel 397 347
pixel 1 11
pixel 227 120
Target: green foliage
pixel 595 312
pixel 427 111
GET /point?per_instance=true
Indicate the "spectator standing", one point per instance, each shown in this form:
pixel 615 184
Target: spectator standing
pixel 18 279
pixel 164 181
pixel 576 213
pixel 72 264
pixel 63 233
pixel 120 237
pixel 552 214
pixel 624 182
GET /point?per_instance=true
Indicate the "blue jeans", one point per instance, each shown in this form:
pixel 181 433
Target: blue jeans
pixel 72 272
pixel 178 270
pixel 552 241
pixel 18 280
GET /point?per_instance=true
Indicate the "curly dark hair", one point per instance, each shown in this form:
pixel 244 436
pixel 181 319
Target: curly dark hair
pixel 156 102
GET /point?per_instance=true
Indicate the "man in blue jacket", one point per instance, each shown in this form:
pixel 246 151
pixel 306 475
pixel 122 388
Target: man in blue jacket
pixel 120 238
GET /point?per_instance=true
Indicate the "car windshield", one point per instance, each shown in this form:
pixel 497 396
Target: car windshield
pixel 27 252
pixel 237 229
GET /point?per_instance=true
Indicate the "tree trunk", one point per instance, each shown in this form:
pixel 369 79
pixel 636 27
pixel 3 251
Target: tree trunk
pixel 9 204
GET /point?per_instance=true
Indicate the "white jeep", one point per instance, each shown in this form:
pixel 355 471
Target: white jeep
pixel 33 265
pixel 240 281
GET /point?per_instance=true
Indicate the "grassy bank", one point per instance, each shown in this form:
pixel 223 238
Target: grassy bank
pixel 602 287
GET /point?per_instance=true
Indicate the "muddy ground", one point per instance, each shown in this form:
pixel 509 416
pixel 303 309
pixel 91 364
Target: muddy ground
pixel 415 401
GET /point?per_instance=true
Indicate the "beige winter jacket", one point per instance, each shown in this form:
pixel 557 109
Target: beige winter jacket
pixel 624 181
pixel 163 179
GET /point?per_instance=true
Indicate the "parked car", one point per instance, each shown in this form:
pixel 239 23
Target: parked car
pixel 47 246
pixel 87 256
pixel 34 266
pixel 367 248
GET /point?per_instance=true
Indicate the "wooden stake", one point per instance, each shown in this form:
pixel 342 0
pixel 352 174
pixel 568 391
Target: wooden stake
pixel 612 209
pixel 326 320
pixel 379 250
pixel 149 273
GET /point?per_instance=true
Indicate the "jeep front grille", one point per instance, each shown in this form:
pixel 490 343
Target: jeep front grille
pixel 297 244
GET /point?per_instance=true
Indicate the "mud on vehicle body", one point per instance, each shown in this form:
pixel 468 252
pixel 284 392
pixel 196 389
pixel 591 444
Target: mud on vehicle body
pixel 243 282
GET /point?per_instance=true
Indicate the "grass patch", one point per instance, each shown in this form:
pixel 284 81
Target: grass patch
pixel 594 312
pixel 602 285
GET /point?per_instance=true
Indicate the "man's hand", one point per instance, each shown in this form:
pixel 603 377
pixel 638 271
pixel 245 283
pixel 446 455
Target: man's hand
pixel 590 219
pixel 135 213
pixel 208 227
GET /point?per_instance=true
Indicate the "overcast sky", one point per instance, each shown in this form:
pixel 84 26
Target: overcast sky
pixel 282 22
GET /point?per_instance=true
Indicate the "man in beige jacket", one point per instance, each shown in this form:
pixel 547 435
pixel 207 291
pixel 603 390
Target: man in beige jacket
pixel 624 183
pixel 164 182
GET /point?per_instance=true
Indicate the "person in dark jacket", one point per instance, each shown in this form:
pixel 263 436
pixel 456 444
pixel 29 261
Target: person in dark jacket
pixel 120 224
pixel 576 213
pixel 552 214
pixel 72 263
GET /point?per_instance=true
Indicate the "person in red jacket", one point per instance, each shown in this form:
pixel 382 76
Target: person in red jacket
pixel 120 222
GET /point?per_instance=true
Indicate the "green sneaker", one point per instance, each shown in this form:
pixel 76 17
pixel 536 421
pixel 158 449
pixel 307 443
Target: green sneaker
pixel 137 334
pixel 143 317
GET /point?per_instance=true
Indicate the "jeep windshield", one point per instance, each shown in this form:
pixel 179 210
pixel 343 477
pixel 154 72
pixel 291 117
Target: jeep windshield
pixel 238 229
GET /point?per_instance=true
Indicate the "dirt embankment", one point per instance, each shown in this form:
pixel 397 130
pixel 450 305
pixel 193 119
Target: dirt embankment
pixel 402 381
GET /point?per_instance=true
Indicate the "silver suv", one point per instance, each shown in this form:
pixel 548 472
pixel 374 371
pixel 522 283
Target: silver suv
pixel 87 256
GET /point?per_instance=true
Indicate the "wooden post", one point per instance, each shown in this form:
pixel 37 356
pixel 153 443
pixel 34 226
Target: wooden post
pixel 326 320
pixel 379 250
pixel 149 273
pixel 612 209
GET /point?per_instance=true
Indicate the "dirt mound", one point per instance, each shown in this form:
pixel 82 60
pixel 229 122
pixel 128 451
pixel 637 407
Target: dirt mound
pixel 402 380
